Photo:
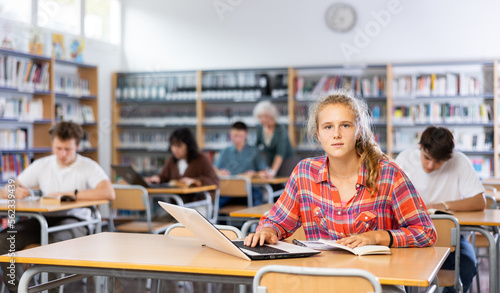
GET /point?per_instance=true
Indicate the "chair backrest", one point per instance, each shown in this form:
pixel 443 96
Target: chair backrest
pixel 448 235
pixel 273 278
pixel 178 229
pixel 133 198
pixel 130 197
pixel 490 195
pixel 236 186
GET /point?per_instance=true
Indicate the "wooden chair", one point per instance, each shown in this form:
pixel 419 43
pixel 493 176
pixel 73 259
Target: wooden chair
pixel 448 232
pixel 134 198
pixel 235 187
pixel 279 278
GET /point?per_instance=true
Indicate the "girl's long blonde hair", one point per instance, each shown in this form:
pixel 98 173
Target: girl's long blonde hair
pixel 366 147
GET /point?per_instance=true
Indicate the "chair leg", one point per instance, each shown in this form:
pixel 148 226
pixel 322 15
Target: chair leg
pixel 148 284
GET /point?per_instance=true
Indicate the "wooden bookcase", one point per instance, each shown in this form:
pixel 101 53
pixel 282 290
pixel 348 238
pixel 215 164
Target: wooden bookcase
pixel 21 86
pixel 218 97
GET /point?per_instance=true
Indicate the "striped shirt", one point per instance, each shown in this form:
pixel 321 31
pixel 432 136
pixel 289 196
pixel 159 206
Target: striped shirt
pixel 311 200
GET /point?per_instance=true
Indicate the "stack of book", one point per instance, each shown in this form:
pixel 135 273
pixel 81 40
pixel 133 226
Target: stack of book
pixel 24 74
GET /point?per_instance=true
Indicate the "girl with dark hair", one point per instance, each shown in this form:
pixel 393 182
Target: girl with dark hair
pixel 187 164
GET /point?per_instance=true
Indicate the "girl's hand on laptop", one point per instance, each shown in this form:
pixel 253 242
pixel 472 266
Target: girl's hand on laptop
pixel 264 235
pixel 153 179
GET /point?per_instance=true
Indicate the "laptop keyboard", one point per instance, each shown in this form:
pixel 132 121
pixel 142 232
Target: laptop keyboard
pixel 260 249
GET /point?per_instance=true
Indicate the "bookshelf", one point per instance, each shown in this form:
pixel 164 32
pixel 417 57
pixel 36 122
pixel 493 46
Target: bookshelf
pixel 458 95
pixel 228 96
pixel 403 99
pixel 36 92
pixel 207 102
pixel 147 107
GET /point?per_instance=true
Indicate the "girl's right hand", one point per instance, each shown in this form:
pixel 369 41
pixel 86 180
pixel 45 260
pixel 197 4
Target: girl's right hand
pixel 264 235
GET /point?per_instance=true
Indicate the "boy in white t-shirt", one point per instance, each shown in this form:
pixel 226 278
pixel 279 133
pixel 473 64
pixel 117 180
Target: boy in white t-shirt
pixel 63 173
pixel 445 179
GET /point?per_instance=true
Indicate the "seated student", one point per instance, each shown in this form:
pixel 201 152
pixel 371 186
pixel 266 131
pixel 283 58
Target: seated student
pixel 353 194
pixel 187 164
pixel 241 159
pixel 63 173
pixel 446 179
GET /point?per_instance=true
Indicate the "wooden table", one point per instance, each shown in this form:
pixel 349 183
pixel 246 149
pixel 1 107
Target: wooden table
pixel 253 212
pixel 177 192
pixel 475 222
pixel 133 255
pixel 35 208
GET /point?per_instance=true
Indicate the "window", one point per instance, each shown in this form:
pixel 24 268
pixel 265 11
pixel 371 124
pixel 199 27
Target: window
pixel 60 15
pixel 18 10
pixel 102 20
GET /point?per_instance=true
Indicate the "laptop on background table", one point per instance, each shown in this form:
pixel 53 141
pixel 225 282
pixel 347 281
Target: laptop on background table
pixel 213 238
pixel 128 174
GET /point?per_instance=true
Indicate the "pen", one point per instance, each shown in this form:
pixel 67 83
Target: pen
pixel 297 242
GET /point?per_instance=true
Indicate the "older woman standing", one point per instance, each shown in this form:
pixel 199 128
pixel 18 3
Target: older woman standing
pixel 273 138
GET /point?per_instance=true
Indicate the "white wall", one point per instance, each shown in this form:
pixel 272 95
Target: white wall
pixel 108 58
pixel 190 34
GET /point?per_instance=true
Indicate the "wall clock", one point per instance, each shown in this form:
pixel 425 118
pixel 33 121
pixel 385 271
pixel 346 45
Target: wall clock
pixel 340 17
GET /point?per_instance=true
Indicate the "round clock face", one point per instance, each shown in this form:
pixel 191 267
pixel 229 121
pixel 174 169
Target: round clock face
pixel 340 17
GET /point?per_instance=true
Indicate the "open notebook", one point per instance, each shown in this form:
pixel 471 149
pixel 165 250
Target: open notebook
pixel 213 238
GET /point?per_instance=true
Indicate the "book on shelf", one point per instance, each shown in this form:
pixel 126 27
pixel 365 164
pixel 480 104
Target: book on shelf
pixel 13 139
pixel 436 84
pixel 367 87
pixel 58 46
pixel 76 113
pixel 323 244
pixel 11 165
pixel 21 108
pixel 76 48
pixel 35 42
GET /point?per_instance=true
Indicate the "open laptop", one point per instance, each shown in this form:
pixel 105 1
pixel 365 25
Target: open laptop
pixel 213 238
pixel 128 174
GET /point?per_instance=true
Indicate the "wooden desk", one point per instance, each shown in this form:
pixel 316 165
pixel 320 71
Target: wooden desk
pixel 175 258
pixel 175 194
pixel 253 212
pixel 474 221
pixel 275 180
pixel 181 190
pixel 34 208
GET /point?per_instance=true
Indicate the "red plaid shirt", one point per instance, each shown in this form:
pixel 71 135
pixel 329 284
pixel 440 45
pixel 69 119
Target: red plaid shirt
pixel 312 201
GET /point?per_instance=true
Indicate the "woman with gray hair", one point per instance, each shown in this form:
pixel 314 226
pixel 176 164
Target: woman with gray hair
pixel 273 138
pixel 354 194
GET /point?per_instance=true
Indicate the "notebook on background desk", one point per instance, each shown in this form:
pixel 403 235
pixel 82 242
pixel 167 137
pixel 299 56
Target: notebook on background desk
pixel 128 174
pixel 213 238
